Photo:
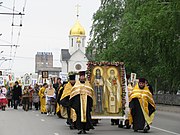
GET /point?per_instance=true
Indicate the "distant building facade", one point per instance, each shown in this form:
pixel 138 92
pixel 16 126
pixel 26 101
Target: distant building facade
pixel 44 62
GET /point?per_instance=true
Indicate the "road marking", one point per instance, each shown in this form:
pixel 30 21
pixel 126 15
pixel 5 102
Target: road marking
pixel 37 115
pixel 42 120
pixel 165 130
pixel 56 134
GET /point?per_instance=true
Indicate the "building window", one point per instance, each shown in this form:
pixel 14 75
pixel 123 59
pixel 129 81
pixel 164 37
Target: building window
pixel 72 42
pixel 83 42
pixel 78 67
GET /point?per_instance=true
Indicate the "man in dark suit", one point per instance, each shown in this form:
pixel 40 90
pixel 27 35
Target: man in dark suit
pixel 17 93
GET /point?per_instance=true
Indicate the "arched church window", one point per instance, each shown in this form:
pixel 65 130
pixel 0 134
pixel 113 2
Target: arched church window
pixel 78 67
pixel 83 42
pixel 72 42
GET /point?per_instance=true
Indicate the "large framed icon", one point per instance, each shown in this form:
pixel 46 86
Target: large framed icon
pixel 108 82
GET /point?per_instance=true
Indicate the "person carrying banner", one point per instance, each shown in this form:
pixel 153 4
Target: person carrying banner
pixel 142 107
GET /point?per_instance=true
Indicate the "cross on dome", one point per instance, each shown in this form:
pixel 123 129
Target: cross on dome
pixel 77 10
pixel 77 29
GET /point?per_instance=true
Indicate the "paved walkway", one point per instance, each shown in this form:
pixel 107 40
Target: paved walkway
pixel 168 108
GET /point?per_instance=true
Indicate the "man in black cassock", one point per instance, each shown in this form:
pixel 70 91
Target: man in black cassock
pixel 57 86
pixel 81 100
pixel 142 107
pixel 64 101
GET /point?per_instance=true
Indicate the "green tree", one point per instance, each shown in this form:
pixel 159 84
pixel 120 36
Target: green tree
pixel 105 28
pixel 147 38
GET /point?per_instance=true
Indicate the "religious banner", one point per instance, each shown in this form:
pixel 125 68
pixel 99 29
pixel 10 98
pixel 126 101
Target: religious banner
pixel 108 82
pixel 45 74
pixel 27 80
pixel 40 80
pixel 133 78
pixel 1 80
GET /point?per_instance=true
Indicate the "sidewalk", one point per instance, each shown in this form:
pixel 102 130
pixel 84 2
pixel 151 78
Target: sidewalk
pixel 167 108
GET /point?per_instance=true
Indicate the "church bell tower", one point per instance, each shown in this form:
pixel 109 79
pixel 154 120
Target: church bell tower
pixel 77 36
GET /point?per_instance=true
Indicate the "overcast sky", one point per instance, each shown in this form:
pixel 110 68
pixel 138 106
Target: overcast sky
pixel 45 28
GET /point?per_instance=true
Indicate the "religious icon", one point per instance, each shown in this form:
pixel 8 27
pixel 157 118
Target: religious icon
pixel 133 78
pixel 98 86
pixel 106 81
pixel 112 92
pixel 27 79
pixel 44 74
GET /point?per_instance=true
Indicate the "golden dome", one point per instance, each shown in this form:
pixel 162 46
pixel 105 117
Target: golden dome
pixel 77 30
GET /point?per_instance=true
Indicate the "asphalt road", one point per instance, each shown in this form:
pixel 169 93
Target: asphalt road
pixel 19 122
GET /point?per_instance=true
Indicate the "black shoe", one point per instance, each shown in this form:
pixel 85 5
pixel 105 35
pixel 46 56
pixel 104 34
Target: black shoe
pixel 84 132
pixel 146 129
pixel 41 112
pixel 120 126
pixel 135 130
pixel 68 123
pixel 3 108
pixel 127 126
pixel 80 132
pixel 71 127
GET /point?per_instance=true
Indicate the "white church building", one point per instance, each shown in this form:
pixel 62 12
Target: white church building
pixel 74 58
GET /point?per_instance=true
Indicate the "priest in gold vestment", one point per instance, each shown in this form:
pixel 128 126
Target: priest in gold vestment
pixel 65 102
pixel 142 107
pixel 81 100
pixel 43 98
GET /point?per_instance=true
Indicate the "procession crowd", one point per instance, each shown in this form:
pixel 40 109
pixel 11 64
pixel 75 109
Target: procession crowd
pixel 73 100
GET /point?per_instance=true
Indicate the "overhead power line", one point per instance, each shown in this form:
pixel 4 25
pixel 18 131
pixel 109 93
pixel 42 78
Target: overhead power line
pixel 12 13
pixel 9 8
pixel 15 35
pixel 11 45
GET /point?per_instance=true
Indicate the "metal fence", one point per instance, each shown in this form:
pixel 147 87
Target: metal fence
pixel 167 99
